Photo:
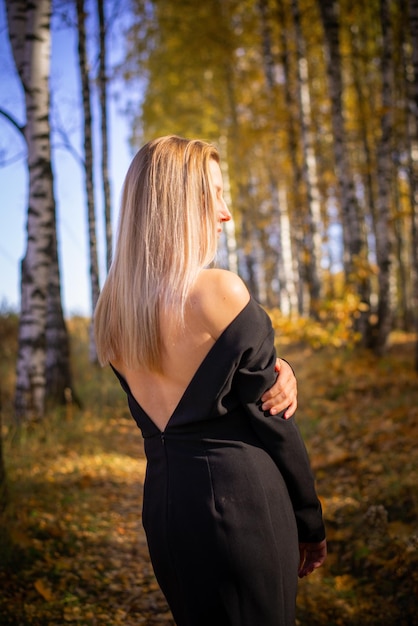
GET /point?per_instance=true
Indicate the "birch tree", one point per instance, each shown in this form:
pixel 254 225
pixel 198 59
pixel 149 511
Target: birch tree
pixel 413 20
pixel 103 92
pixel 280 218
pixel 353 242
pixel 313 240
pixel 364 88
pixel 43 354
pixel 59 384
pixel 384 186
pixel 355 251
pixel 3 476
pixel 88 164
pixel 292 255
pixel 229 69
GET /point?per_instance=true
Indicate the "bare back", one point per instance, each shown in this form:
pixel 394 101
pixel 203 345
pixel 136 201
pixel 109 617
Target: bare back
pixel 216 299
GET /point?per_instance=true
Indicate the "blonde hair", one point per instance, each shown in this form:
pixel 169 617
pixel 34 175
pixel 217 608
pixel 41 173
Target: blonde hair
pixel 166 235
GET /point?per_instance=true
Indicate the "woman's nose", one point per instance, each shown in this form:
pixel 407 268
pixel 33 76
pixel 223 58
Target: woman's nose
pixel 225 214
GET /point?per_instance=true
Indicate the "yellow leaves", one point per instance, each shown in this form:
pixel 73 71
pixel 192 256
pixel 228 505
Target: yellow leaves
pixel 344 583
pixel 19 537
pixel 334 326
pixel 335 454
pixel 399 529
pixel 44 590
pixel 363 307
pixel 72 613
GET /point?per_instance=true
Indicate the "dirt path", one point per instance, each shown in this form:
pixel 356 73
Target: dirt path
pixel 75 547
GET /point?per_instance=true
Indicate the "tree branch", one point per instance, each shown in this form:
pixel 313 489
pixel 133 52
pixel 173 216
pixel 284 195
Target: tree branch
pixel 67 145
pixel 14 159
pixel 13 121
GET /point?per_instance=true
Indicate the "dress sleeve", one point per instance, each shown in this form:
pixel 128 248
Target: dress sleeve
pixel 281 438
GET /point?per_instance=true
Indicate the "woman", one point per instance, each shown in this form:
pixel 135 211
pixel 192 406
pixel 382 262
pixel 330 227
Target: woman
pixel 230 509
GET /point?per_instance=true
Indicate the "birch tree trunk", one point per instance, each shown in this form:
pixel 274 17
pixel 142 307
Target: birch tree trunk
pixel 88 164
pixel 239 170
pixel 59 381
pixel 230 241
pixel 102 82
pixel 353 243
pixel 413 20
pixel 3 476
pixel 30 37
pixel 289 286
pixel 294 254
pixel 363 92
pixel 286 300
pixel 313 240
pixel 384 186
pixel 354 239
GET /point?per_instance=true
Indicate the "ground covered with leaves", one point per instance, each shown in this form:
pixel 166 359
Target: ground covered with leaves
pixel 72 548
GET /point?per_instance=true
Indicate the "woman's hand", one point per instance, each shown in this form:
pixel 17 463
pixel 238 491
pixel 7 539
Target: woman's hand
pixel 312 556
pixel 283 394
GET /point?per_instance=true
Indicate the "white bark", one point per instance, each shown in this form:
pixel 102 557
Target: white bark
pixel 383 230
pixel 29 30
pixel 413 19
pixel 102 83
pixel 313 240
pixel 229 228
pixel 311 166
pixel 279 227
pixel 289 296
pixel 88 160
pixel 353 239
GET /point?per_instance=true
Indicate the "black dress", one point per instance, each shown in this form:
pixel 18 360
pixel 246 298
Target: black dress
pixel 228 490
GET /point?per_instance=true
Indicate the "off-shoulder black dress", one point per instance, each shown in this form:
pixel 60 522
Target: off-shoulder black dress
pixel 228 491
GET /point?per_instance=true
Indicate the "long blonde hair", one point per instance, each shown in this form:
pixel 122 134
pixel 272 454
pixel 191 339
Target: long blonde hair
pixel 166 235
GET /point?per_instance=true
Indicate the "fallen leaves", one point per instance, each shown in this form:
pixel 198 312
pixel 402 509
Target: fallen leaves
pixel 44 590
pixel 73 551
pixel 77 519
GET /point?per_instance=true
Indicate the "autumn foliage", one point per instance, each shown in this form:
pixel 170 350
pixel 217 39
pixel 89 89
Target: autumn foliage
pixel 72 549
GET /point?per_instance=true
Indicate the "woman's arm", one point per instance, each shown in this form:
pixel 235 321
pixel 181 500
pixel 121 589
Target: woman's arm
pixel 281 438
pixel 283 394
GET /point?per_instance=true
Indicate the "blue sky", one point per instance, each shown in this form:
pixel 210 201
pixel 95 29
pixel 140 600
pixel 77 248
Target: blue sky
pixel 69 186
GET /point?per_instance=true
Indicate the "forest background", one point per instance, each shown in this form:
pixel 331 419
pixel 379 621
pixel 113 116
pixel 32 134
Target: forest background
pixel 313 105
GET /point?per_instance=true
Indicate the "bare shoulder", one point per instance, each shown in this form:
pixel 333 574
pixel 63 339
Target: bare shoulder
pixel 219 296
